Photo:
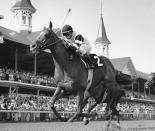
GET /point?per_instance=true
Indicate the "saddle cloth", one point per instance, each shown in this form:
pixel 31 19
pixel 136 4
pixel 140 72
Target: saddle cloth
pixel 95 59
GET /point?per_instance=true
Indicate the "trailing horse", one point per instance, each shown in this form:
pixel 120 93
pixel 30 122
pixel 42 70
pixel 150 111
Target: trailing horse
pixel 74 78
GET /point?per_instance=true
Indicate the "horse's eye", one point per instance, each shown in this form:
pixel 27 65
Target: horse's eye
pixel 33 46
pixel 46 35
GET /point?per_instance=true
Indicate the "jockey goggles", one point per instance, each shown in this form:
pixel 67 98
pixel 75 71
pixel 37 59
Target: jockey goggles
pixel 78 42
pixel 67 33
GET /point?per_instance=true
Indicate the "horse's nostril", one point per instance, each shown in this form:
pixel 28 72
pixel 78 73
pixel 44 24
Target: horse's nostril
pixel 33 46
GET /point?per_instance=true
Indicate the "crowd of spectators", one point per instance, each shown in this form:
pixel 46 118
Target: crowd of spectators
pixel 139 95
pixel 42 103
pixel 26 77
pixel 21 102
pixel 34 105
pixel 135 107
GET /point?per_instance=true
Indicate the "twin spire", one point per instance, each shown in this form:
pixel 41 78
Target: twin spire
pixel 23 4
pixel 23 10
pixel 102 42
pixel 101 35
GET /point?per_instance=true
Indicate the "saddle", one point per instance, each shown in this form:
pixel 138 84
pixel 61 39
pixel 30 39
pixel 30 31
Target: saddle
pixel 92 61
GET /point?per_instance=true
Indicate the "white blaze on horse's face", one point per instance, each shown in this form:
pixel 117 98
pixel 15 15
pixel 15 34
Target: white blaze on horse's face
pixel 41 36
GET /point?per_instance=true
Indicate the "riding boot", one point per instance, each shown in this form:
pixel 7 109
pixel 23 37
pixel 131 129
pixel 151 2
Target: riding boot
pixel 89 61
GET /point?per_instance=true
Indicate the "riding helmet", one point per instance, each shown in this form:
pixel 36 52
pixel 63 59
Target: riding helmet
pixel 67 29
pixel 79 37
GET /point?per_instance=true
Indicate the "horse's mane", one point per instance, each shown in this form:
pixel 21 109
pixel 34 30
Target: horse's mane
pixel 58 32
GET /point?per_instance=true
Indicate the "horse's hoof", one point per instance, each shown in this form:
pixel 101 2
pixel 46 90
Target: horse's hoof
pixel 118 126
pixel 108 125
pixel 64 119
pixel 86 122
pixel 70 120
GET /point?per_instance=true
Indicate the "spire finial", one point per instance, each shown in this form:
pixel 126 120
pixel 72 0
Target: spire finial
pixel 102 41
pixel 101 8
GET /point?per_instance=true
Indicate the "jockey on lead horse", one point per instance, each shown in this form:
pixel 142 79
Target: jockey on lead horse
pixel 78 43
pixel 82 47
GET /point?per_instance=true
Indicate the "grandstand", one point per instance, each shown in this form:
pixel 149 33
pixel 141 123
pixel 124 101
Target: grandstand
pixel 26 82
pixel 19 78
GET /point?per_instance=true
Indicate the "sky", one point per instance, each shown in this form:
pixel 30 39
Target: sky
pixel 129 24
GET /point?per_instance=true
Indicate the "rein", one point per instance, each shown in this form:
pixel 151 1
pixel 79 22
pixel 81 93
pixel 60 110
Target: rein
pixel 53 43
pixel 44 46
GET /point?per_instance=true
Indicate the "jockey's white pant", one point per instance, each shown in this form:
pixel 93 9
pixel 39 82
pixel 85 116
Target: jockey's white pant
pixel 85 49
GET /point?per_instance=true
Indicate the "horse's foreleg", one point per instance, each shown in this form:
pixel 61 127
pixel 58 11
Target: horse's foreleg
pixel 86 121
pixel 118 121
pixel 116 113
pixel 55 96
pixel 109 122
pixel 80 106
pixel 110 106
pixel 58 115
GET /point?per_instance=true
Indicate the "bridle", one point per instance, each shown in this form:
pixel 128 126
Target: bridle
pixel 42 45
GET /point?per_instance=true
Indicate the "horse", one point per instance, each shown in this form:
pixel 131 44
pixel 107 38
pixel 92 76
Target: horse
pixel 72 77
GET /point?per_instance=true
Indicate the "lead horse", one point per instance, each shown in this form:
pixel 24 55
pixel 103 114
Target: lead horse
pixel 72 76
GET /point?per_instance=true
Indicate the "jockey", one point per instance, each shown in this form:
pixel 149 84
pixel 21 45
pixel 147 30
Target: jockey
pixel 81 45
pixel 69 34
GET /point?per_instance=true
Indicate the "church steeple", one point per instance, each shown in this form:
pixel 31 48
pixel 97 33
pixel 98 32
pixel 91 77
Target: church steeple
pixel 23 10
pixel 102 42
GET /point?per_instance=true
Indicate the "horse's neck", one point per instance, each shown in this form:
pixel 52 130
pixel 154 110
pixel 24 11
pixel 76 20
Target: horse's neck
pixel 59 74
pixel 61 56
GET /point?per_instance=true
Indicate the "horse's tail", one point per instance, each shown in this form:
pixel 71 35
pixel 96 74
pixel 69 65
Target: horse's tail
pixel 123 78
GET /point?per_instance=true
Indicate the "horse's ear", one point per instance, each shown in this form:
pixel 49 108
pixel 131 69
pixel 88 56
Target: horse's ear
pixel 50 25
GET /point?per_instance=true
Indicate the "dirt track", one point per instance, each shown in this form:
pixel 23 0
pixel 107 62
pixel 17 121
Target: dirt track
pixel 78 126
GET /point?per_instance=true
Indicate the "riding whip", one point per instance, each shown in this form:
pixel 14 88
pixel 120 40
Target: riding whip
pixel 66 17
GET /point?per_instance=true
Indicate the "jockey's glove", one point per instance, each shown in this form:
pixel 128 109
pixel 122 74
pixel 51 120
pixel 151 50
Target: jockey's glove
pixel 68 44
pixel 73 48
pixel 79 52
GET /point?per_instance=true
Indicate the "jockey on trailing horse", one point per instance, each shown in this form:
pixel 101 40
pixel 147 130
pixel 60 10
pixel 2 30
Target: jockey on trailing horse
pixel 78 43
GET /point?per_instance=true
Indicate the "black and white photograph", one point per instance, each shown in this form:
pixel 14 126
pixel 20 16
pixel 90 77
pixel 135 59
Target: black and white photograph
pixel 77 65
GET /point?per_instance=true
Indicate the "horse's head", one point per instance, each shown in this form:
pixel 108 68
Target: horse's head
pixel 45 40
pixel 151 81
